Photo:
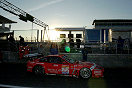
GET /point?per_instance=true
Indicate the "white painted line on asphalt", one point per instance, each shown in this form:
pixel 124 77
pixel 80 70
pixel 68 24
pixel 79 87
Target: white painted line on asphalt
pixel 10 86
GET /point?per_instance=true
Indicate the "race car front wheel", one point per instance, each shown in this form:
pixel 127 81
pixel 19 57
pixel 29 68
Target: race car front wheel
pixel 85 73
pixel 39 70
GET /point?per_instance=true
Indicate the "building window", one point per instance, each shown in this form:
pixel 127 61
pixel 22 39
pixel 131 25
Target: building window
pixel 70 35
pixel 78 35
pixel 3 38
pixel 62 35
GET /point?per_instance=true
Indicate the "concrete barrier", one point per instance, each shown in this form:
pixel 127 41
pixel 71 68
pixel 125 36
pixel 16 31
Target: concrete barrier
pixel 9 56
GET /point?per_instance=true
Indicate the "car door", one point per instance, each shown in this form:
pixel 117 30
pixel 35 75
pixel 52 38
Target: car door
pixel 53 65
pixel 66 67
pixel 63 66
pixel 46 64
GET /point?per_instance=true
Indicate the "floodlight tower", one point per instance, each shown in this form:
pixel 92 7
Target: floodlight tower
pixel 24 16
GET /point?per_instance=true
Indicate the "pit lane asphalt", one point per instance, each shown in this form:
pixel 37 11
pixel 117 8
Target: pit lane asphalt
pixel 16 75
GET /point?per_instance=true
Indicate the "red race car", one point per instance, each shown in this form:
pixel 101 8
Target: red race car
pixel 60 64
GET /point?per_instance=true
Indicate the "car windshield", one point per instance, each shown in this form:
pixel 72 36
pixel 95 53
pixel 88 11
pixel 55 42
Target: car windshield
pixel 68 59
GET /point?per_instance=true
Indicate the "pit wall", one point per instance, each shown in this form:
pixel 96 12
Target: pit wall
pixel 106 60
pixel 9 56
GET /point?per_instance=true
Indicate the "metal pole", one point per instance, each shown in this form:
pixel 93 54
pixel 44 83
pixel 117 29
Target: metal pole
pixel 69 35
pixel 100 36
pixel 37 35
pixel 84 39
pixel 41 34
pixel 47 32
pixel 38 40
pixel 32 32
pixel 104 40
pixel 44 33
pixel 13 33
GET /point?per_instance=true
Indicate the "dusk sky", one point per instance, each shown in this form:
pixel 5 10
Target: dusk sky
pixel 69 13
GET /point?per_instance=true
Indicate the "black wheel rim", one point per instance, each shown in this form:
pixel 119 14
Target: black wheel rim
pixel 39 70
pixel 85 73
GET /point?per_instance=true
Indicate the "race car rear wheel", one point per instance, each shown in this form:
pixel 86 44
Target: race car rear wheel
pixel 39 70
pixel 85 73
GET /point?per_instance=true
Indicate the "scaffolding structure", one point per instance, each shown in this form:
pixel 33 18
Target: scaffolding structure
pixel 24 16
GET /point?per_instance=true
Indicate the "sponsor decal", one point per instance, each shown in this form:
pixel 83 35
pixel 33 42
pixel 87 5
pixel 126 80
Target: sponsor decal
pixel 73 71
pixel 32 62
pixel 72 67
pixel 30 67
pixel 55 65
pixel 93 67
pixel 53 70
pixel 75 65
pixel 65 69
pixel 97 72
pixel 39 63
pixel 59 70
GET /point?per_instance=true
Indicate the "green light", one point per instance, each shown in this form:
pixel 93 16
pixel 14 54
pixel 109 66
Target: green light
pixel 67 49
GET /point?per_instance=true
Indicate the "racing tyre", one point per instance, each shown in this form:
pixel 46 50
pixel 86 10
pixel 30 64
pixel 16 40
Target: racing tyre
pixel 85 73
pixel 39 70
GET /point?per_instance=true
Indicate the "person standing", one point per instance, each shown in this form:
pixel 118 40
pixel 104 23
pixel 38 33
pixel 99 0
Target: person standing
pixel 78 43
pixel 120 43
pixel 12 43
pixel 11 39
pixel 21 40
pixel 53 49
pixel 84 53
pixel 71 42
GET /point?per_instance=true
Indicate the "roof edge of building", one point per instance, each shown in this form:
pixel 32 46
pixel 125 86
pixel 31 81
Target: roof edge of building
pixel 112 20
pixel 5 20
